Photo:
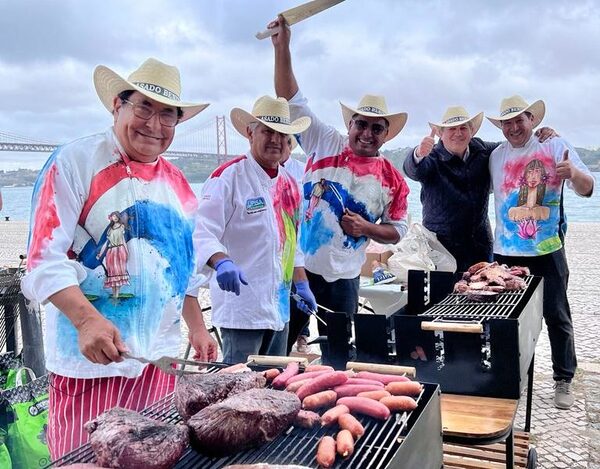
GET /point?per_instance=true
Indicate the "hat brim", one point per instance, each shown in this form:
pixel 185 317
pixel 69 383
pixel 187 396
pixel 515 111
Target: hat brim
pixel 109 84
pixel 476 120
pixel 537 110
pixel 241 119
pixel 396 121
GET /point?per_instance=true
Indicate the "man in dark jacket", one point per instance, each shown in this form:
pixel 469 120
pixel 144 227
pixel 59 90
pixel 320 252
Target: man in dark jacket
pixel 455 185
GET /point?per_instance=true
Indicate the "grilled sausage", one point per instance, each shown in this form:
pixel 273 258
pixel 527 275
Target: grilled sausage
pixel 321 383
pixel 362 405
pixel 353 389
pixel 364 381
pixel 307 419
pixel 350 423
pixel 291 369
pixel 271 374
pixel 296 385
pixel 303 376
pixel 344 443
pixel 381 377
pixel 333 414
pixel 310 368
pixel 408 388
pixel 375 395
pixel 320 399
pixel 399 403
pixel 326 451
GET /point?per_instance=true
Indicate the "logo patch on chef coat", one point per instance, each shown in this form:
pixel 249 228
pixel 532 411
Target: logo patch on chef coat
pixel 256 205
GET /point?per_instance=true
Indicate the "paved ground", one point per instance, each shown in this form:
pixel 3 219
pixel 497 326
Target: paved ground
pixel 563 439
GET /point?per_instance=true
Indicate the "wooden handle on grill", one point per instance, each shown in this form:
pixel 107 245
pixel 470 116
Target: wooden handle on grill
pixel 379 368
pixel 452 327
pixel 268 360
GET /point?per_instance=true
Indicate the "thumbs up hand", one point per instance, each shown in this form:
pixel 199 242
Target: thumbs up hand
pixel 565 169
pixel 426 145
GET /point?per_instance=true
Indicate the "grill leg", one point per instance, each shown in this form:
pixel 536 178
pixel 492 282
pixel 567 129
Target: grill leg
pixel 529 395
pixel 510 450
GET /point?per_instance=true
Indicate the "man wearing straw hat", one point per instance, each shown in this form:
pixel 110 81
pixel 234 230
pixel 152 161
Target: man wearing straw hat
pixel 455 185
pixel 357 187
pixel 111 254
pixel 247 227
pixel 528 178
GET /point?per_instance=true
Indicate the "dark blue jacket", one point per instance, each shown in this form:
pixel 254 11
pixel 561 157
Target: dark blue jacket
pixel 455 196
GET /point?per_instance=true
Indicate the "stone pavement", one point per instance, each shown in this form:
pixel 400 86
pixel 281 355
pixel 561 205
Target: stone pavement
pixel 563 439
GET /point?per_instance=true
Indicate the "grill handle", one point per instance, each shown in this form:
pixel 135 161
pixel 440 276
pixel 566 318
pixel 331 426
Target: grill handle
pixel 452 327
pixel 379 368
pixel 268 360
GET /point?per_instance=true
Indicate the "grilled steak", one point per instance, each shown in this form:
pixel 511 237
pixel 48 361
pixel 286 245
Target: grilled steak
pixel 124 438
pixel 484 281
pixel 194 392
pixel 242 421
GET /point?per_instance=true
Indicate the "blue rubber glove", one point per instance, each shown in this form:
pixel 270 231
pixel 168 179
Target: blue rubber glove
pixel 229 276
pixel 308 302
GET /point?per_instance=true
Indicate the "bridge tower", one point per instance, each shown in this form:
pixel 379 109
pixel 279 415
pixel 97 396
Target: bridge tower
pixel 221 140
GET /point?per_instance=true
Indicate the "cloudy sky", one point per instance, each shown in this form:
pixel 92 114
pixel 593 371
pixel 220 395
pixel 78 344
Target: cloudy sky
pixel 423 55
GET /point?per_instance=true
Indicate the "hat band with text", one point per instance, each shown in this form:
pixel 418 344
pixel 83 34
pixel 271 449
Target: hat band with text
pixel 372 109
pixel 274 119
pixel 157 89
pixel 455 119
pixel 510 110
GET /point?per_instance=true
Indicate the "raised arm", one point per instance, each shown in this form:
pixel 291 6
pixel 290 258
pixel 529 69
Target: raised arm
pixel 286 85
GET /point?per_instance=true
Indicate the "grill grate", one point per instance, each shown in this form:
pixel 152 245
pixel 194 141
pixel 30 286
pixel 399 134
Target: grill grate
pixel 374 450
pixel 456 306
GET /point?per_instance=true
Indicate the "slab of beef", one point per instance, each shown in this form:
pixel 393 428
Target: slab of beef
pixel 485 280
pixel 124 438
pixel 194 392
pixel 248 419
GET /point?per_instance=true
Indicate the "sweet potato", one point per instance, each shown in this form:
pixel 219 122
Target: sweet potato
pixel 326 451
pixel 362 405
pixel 321 383
pixel 291 369
pixel 408 388
pixel 332 415
pixel 350 423
pixel 320 399
pixel 344 443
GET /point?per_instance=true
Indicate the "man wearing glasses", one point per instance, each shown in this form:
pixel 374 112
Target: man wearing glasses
pixel 112 255
pixel 361 195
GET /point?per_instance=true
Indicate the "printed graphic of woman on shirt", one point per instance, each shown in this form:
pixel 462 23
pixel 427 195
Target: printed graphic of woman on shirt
pixel 318 189
pixel 116 255
pixel 531 194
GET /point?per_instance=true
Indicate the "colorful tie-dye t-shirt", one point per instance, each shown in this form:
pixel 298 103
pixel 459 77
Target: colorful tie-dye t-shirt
pixel 122 231
pixel 528 196
pixel 337 180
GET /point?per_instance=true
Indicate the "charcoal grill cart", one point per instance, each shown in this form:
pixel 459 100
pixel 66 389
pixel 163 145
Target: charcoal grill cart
pixel 408 440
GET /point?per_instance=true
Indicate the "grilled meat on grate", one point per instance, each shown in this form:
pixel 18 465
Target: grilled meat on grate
pixel 248 419
pixel 485 280
pixel 194 392
pixel 125 438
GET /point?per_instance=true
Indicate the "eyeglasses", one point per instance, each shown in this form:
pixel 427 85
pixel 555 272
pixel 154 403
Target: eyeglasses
pixel 376 129
pixel 166 118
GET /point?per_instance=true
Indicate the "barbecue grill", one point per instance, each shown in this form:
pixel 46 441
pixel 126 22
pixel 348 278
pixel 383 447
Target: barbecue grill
pixel 407 440
pixel 480 349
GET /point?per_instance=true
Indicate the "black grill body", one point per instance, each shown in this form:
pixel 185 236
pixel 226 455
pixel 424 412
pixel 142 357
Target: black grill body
pixel 411 440
pixel 493 363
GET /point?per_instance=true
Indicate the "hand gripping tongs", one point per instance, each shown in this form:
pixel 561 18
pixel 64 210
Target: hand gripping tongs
pixel 298 298
pixel 169 364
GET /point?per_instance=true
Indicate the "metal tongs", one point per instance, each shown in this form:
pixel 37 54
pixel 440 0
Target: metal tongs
pixel 169 364
pixel 298 298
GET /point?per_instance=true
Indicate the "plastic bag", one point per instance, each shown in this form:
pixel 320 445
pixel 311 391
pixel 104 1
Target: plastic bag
pixel 9 364
pixel 5 462
pixel 27 409
pixel 420 250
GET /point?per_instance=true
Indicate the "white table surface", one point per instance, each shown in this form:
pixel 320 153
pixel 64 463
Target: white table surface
pixel 384 299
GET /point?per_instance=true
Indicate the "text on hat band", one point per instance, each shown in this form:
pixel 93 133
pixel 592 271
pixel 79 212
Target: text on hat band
pixel 274 119
pixel 157 89
pixel 511 110
pixel 372 109
pixel 455 119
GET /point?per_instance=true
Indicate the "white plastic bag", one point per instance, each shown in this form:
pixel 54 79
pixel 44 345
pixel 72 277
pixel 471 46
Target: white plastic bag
pixel 420 250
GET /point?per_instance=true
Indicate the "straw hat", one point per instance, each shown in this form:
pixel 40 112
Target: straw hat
pixel 374 106
pixel 154 79
pixel 515 105
pixel 456 116
pixel 272 112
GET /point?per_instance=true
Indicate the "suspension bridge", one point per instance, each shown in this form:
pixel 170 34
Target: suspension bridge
pixel 214 140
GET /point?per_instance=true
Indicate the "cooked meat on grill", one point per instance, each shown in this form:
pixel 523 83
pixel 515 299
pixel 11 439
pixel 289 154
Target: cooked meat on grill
pixel 125 438
pixel 248 419
pixel 307 419
pixel 194 392
pixel 484 280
